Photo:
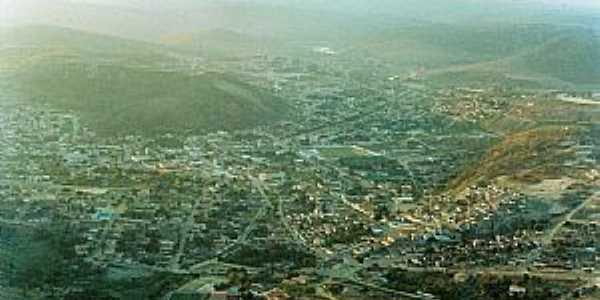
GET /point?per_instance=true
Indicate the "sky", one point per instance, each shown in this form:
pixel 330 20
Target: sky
pixel 18 8
pixel 573 3
pixel 158 3
pixel 146 19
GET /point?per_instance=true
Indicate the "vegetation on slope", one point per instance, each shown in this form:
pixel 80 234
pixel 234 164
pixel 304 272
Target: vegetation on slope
pixel 135 88
pixel 529 155
pixel 501 54
pixel 573 58
pixel 122 99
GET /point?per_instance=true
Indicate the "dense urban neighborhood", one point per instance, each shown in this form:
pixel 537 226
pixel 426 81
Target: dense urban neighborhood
pixel 355 196
pixel 324 171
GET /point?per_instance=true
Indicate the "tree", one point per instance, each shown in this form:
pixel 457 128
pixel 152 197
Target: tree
pixel 45 259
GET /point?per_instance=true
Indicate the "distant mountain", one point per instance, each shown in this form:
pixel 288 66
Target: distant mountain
pixel 121 86
pixel 544 55
pixel 218 43
pixel 524 43
pixel 573 57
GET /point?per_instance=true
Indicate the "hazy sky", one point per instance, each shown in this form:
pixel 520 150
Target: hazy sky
pixel 573 3
pixel 146 19
pixel 369 4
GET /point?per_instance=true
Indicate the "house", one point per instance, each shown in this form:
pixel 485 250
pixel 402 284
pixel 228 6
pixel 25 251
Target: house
pixel 189 295
pixel 192 291
pixel 234 294
pixel 516 291
pixel 276 294
pixel 230 294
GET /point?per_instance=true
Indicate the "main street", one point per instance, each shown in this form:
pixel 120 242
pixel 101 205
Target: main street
pixel 547 240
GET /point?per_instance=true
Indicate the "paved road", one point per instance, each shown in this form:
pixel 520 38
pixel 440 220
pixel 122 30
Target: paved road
pixel 573 275
pixel 18 223
pixel 243 237
pixel 547 240
pixel 186 230
pixel 399 294
pixel 549 274
pixel 259 184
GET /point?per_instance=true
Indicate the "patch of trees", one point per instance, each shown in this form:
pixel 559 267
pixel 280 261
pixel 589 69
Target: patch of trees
pixel 473 287
pixel 273 253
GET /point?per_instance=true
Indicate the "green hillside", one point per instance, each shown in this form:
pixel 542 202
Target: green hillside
pixel 527 55
pixel 574 57
pixel 120 86
pixel 80 43
pixel 218 43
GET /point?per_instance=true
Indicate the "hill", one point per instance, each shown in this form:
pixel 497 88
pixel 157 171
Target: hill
pixel 529 55
pixel 219 43
pixel 528 155
pixel 572 57
pixel 121 86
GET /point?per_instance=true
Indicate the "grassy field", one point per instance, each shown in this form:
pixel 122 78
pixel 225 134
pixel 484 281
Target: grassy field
pixel 336 152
